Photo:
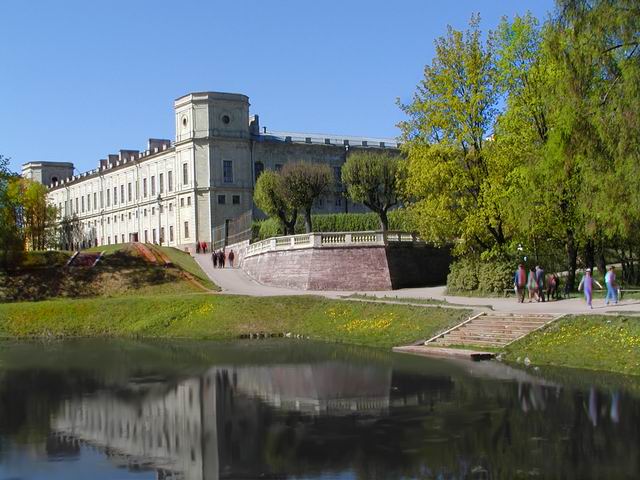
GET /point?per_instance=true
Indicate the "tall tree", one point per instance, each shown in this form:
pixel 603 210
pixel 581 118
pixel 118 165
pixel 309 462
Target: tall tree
pixel 455 186
pixel 271 197
pixel 304 183
pixel 374 179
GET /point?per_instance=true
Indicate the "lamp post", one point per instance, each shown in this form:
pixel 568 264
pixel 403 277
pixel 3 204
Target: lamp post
pixel 159 219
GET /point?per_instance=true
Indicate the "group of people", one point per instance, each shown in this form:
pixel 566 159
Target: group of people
pixel 220 258
pixel 587 282
pixel 541 286
pixel 201 247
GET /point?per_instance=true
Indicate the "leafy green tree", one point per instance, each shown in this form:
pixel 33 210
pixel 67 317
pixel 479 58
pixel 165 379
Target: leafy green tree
pixel 271 197
pixel 454 186
pixel 11 241
pixel 304 183
pixel 374 179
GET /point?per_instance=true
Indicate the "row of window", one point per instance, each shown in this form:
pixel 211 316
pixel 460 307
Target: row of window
pixel 133 236
pixel 222 199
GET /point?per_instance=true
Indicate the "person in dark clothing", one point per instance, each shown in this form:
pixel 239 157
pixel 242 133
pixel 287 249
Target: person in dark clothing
pixel 222 259
pixel 197 247
pixel 231 257
pixel 520 282
pixel 214 259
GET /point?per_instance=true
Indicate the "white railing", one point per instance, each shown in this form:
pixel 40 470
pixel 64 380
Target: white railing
pixel 330 240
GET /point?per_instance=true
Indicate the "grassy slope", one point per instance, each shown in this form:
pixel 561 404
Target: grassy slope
pixel 188 264
pixel 121 272
pixel 224 317
pixel 593 342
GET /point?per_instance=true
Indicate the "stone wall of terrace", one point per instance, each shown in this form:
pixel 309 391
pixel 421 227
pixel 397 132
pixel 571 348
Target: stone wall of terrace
pixel 346 261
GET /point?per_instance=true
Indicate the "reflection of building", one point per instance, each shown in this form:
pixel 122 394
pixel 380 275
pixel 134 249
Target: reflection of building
pixel 213 426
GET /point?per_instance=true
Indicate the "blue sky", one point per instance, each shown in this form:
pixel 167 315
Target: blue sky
pixel 82 79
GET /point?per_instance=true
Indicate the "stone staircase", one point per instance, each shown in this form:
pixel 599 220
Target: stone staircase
pixel 494 330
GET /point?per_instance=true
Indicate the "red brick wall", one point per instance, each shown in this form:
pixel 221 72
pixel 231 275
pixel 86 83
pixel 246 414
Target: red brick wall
pixel 351 268
pixel 361 268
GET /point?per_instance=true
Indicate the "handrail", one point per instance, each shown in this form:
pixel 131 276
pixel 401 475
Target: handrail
pixel 331 240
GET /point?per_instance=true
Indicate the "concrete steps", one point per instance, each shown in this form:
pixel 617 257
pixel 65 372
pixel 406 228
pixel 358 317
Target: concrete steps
pixel 494 330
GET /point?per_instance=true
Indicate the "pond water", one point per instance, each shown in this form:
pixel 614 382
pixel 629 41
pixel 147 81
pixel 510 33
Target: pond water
pixel 112 409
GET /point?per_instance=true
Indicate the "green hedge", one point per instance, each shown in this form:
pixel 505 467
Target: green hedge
pixel 337 222
pixel 473 275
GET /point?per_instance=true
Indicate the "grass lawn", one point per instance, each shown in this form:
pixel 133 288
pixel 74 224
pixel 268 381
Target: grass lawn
pixel 225 317
pixel 595 342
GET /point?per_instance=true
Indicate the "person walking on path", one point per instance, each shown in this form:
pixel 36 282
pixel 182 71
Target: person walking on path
pixel 612 286
pixel 222 259
pixel 587 283
pixel 540 282
pixel 519 282
pixel 214 259
pixel 532 285
pixel 197 247
pixel 231 257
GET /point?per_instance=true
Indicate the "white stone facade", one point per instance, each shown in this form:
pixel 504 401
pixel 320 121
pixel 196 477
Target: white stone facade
pixel 179 192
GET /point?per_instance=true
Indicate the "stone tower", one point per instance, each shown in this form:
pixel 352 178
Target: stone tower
pixel 47 173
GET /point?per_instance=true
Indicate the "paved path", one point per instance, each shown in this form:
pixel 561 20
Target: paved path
pixel 235 281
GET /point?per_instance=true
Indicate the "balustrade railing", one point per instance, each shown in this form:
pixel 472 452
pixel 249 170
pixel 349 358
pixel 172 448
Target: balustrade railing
pixel 328 240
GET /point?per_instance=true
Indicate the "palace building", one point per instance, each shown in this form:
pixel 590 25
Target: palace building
pixel 194 188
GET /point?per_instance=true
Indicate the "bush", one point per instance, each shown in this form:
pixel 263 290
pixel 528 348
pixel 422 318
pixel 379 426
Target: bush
pixel 471 274
pixel 335 222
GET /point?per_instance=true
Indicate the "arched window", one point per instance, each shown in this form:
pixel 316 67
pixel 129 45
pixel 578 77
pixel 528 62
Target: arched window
pixel 54 179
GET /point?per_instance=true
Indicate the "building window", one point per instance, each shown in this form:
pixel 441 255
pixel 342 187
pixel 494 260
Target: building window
pixel 153 235
pixel 161 234
pixel 186 229
pixel 182 202
pixel 145 212
pixel 185 176
pixel 115 239
pixel 115 195
pixel 122 217
pixel 123 238
pixel 122 200
pixel 258 169
pixel 108 198
pixel 115 219
pixel 95 200
pixel 188 201
pixel 82 203
pixel 170 181
pixel 161 180
pixel 146 236
pixel 144 187
pixel 137 189
pixel 227 171
pixel 88 202
pixel 153 211
pixel 236 199
pixel 108 220
pixel 171 207
pixel 109 240
pixel 77 209
pixel 171 233
pixel 222 199
pixel 153 185
pixel 278 167
pixel 129 191
pixel 129 215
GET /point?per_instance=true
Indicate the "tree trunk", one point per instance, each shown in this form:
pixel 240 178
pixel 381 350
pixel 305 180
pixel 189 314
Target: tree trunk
pixel 589 255
pixel 572 260
pixel 384 220
pixel 307 220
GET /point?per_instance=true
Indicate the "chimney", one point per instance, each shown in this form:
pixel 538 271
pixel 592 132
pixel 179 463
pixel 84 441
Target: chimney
pixel 103 163
pixel 254 125
pixel 126 155
pixel 159 143
pixel 113 158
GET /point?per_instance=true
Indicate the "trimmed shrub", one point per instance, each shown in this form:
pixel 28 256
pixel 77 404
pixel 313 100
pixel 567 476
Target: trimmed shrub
pixel 473 275
pixel 335 222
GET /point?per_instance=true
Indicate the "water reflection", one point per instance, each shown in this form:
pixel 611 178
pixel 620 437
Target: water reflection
pixel 340 413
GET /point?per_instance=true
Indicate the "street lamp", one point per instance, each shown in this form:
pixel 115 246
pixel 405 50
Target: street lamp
pixel 159 219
